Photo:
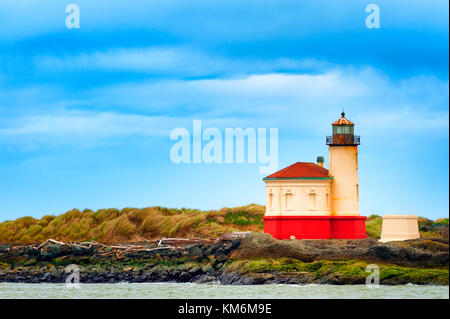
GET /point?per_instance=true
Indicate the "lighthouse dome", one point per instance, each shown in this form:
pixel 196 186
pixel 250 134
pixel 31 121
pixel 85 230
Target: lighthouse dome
pixel 342 121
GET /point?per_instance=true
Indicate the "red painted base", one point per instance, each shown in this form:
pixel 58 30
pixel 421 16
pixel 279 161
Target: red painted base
pixel 316 227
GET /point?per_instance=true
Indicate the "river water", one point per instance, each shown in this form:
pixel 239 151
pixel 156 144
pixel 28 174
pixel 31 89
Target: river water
pixel 208 291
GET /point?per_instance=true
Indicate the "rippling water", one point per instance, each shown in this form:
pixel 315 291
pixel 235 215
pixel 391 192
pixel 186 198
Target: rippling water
pixel 203 291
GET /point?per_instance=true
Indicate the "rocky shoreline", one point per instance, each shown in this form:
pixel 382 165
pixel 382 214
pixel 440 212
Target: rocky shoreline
pixel 255 259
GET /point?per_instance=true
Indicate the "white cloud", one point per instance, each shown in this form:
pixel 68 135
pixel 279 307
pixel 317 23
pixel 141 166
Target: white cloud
pixel 180 61
pixel 81 127
pixel 293 101
pixel 224 97
pixel 297 104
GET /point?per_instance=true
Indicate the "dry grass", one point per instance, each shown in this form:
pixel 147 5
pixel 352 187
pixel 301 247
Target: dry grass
pixel 132 224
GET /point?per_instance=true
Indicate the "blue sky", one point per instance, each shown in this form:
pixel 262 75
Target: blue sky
pixel 86 114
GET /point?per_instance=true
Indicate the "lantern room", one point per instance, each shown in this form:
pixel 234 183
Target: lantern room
pixel 343 133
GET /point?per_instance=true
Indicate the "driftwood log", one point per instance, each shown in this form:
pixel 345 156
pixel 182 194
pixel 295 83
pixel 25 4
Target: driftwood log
pixel 119 250
pixel 105 250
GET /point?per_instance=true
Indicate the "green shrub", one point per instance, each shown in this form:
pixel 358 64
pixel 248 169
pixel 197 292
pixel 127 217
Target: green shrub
pixel 373 226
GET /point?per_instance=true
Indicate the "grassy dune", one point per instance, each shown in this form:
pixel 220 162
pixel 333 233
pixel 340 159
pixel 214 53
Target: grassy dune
pixel 134 224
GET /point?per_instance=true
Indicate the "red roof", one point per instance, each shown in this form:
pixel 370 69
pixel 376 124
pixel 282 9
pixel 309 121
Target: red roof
pixel 301 170
pixel 342 121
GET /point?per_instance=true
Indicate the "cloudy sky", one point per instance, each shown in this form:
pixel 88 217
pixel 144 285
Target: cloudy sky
pixel 86 114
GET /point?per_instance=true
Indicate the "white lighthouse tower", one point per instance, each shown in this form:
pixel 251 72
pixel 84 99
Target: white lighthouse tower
pixel 343 167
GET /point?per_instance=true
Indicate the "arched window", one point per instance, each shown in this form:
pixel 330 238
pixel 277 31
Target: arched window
pixel 312 199
pixel 270 199
pixel 289 194
pixel 327 204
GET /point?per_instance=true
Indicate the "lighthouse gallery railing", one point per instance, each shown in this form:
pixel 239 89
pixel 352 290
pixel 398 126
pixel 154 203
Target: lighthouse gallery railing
pixel 343 139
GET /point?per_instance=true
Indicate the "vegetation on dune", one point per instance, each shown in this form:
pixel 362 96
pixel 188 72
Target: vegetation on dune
pixel 373 226
pixel 135 224
pixel 132 224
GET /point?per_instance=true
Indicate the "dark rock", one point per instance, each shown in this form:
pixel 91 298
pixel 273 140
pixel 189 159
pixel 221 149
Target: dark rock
pixel 47 277
pixel 195 271
pixel 203 279
pixel 18 251
pixel 176 273
pixel 235 243
pixel 56 275
pixel 78 251
pixel 184 277
pixel 221 258
pixel 218 266
pixel 212 260
pixel 99 279
pixel 421 252
pixel 4 248
pixel 148 275
pixel 141 278
pixel 19 279
pixel 211 250
pixel 208 269
pixel 194 251
pixel 176 254
pixel 32 252
pixel 232 278
pixel 44 256
pixel 384 252
pixel 54 250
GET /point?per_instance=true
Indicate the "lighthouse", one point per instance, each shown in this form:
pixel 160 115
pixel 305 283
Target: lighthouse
pixel 307 201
